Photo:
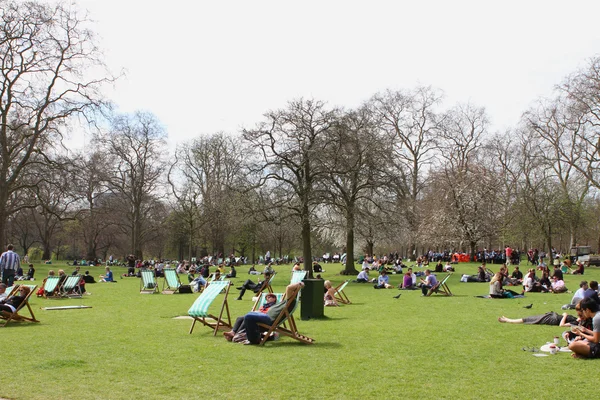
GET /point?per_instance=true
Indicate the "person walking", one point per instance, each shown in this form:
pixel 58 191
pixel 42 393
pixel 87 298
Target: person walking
pixel 9 263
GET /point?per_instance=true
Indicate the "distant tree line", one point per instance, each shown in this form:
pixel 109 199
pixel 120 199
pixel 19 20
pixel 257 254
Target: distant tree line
pixel 402 172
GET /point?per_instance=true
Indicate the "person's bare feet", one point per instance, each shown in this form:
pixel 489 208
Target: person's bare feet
pixel 575 355
pixel 229 335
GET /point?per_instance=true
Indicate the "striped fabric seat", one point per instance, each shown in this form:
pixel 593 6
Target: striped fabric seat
pixel 200 309
pixel 171 283
pixel 340 295
pixel 148 282
pixel 298 276
pixel 70 287
pixel 51 287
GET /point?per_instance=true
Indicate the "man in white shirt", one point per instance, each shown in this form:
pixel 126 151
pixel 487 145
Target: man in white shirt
pixel 363 276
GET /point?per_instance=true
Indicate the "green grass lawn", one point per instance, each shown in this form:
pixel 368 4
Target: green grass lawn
pixel 129 346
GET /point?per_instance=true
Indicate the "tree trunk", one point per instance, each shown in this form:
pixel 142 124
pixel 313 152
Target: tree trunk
pixel 306 250
pixel 349 268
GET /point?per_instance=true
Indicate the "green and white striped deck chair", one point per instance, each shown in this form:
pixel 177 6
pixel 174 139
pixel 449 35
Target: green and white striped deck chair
pixel 9 290
pixel 16 316
pixel 200 309
pixel 298 276
pixel 286 316
pixel 441 287
pixel 171 283
pixel 340 295
pixel 148 282
pixel 70 287
pixel 51 288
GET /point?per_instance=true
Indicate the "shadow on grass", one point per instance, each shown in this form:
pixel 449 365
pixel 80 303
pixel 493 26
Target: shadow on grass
pixel 294 343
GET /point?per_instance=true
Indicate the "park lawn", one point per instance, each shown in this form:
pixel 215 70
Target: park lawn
pixel 129 346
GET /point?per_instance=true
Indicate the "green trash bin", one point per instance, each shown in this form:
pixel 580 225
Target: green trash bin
pixel 311 299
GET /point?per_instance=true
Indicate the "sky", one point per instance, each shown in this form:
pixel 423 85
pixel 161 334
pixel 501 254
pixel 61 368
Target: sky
pixel 207 66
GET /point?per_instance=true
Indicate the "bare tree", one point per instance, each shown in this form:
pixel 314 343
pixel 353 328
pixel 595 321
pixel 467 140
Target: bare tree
pixel 355 165
pixel 290 143
pixel 410 119
pixel 135 142
pixel 46 59
pixel 210 171
pixel 463 180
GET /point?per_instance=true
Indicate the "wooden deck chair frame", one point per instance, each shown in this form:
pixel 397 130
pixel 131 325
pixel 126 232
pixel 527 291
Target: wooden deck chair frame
pixel 173 286
pixel 70 287
pixel 266 285
pixel 17 316
pixel 340 295
pixel 51 282
pixel 147 277
pixel 286 316
pixel 441 287
pixel 205 299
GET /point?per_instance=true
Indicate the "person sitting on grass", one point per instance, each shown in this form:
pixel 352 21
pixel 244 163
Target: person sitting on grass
pixel 255 287
pixel 579 270
pixel 330 293
pixel 428 283
pixel 383 281
pixel 363 276
pixel 558 285
pixel 88 278
pixel 12 303
pixel 30 272
pixel 530 285
pixel 252 319
pixel 232 273
pixel 517 276
pixel 407 282
pixel 587 346
pixel 496 290
pixel 238 326
pixel 108 276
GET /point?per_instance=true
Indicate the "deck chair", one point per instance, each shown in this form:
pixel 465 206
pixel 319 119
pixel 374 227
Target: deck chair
pixel 199 310
pixel 441 287
pixel 286 316
pixel 298 276
pixel 17 315
pixel 266 286
pixel 171 282
pixel 70 287
pixel 148 282
pixel 51 287
pixel 340 295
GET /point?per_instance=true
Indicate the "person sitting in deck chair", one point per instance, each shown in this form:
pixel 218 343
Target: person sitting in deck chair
pixel 330 293
pixel 255 287
pixel 429 282
pixel 3 294
pixel 252 319
pixel 238 326
pixel 12 303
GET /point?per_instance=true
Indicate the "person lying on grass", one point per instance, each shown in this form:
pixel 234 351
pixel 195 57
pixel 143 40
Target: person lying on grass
pixel 252 319
pixel 587 346
pixel 549 318
pixel 238 326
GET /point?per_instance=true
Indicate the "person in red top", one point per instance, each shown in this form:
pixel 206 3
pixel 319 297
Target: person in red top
pixel 508 252
pixel 270 300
